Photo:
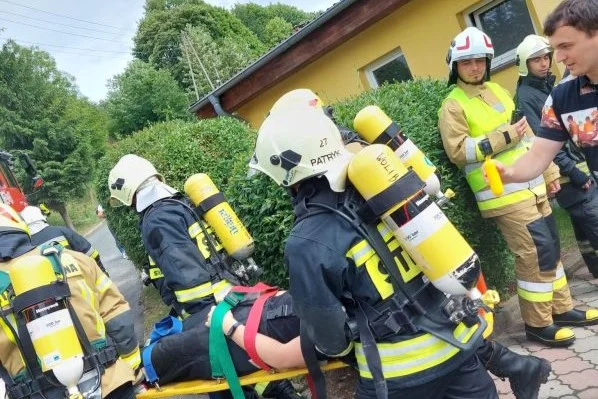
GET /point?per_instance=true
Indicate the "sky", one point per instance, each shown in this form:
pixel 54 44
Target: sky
pixel 91 39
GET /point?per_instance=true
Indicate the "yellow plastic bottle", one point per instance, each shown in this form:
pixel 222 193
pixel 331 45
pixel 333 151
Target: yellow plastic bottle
pixel 494 180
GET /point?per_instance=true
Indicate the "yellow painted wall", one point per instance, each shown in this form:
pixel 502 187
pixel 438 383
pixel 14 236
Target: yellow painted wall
pixel 422 29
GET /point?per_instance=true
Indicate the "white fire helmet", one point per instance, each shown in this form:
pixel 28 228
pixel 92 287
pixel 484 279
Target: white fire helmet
pixel 471 43
pixel 127 176
pixel 531 47
pixel 298 143
pixel 297 98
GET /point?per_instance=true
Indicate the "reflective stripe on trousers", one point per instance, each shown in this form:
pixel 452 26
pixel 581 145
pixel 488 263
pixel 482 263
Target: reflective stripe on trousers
pixel 542 292
pixel 413 355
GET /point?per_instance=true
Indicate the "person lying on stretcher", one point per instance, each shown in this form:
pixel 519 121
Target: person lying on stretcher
pixel 176 355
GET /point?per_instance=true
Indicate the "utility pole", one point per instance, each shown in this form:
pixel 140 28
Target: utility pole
pixel 190 66
pixel 199 60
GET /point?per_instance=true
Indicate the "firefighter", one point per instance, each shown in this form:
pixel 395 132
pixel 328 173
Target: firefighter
pixel 337 275
pixel 182 265
pixel 104 329
pixel 41 233
pixel 474 122
pixel 578 194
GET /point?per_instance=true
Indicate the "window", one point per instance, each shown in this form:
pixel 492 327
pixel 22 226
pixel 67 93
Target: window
pixel 390 68
pixel 507 22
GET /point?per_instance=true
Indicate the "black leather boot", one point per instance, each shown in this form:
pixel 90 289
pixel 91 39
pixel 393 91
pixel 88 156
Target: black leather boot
pixel 282 389
pixel 525 373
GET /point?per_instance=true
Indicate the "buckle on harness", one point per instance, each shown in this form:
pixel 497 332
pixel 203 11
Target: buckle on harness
pixel 232 299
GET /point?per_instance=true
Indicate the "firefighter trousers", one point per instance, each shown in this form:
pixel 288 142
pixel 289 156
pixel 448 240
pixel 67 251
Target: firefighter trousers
pixel 531 234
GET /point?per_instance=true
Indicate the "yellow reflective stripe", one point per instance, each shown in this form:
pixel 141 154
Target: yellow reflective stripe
pixel 221 289
pixel 191 294
pixel 560 279
pixel 155 273
pixel 194 230
pixel 184 314
pixel 534 296
pixel 360 252
pixel 133 359
pixel 103 283
pixel 88 295
pixel 93 253
pixel 384 231
pixel 414 355
pixel 513 198
pixel 509 188
pixel 583 166
pixel 7 330
pixel 151 261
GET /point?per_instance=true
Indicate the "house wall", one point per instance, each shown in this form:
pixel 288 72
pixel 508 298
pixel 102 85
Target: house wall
pixel 422 29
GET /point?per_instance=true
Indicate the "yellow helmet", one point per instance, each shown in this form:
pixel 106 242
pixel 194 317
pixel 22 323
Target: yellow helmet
pixel 10 221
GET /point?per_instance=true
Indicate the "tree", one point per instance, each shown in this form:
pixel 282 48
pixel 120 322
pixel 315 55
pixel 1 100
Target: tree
pixel 157 40
pixel 213 61
pixel 41 115
pixel 142 95
pixel 276 30
pixel 256 17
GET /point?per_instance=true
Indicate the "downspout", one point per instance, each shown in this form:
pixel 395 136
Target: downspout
pixel 215 101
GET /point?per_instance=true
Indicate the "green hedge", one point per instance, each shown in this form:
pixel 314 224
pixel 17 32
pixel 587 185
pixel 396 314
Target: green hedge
pixel 221 147
pixel 178 149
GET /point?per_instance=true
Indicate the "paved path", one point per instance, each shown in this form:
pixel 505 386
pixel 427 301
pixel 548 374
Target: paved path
pixel 122 272
pixel 574 369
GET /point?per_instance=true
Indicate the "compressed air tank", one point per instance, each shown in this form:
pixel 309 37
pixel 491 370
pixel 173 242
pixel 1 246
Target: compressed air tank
pixel 374 126
pixel 48 322
pixel 225 223
pixel 417 222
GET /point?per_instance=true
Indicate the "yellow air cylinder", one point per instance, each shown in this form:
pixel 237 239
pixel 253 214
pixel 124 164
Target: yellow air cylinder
pixel 418 223
pixel 233 235
pixel 374 126
pixel 49 322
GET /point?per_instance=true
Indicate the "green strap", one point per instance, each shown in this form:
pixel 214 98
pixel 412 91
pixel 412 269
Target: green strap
pixel 220 359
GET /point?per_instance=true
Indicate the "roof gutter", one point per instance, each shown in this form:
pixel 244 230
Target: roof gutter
pixel 281 48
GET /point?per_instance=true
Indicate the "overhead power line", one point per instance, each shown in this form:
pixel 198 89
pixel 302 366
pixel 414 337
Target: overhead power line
pixel 68 47
pixel 60 31
pixel 59 15
pixel 56 23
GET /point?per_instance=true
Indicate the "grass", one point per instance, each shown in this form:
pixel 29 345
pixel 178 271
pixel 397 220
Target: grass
pixel 82 212
pixel 153 308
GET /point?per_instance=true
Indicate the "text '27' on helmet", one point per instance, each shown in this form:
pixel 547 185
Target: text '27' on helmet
pixel 469 44
pixel 11 221
pixel 298 144
pixel 127 176
pixel 297 98
pixel 531 47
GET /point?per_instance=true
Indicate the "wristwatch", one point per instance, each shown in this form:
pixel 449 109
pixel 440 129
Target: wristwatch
pixel 232 329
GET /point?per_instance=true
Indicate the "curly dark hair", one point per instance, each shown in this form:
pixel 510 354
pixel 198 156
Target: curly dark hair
pixel 579 14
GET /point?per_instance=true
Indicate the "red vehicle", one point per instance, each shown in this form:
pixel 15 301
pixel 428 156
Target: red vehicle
pixel 10 191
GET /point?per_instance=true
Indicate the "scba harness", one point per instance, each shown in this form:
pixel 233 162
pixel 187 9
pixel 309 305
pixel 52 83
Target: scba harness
pixel 411 309
pixel 33 382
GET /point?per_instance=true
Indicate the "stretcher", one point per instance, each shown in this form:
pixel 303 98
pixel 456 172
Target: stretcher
pixel 207 386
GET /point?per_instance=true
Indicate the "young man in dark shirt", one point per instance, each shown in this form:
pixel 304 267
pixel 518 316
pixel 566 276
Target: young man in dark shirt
pixel 572 29
pixel 578 194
